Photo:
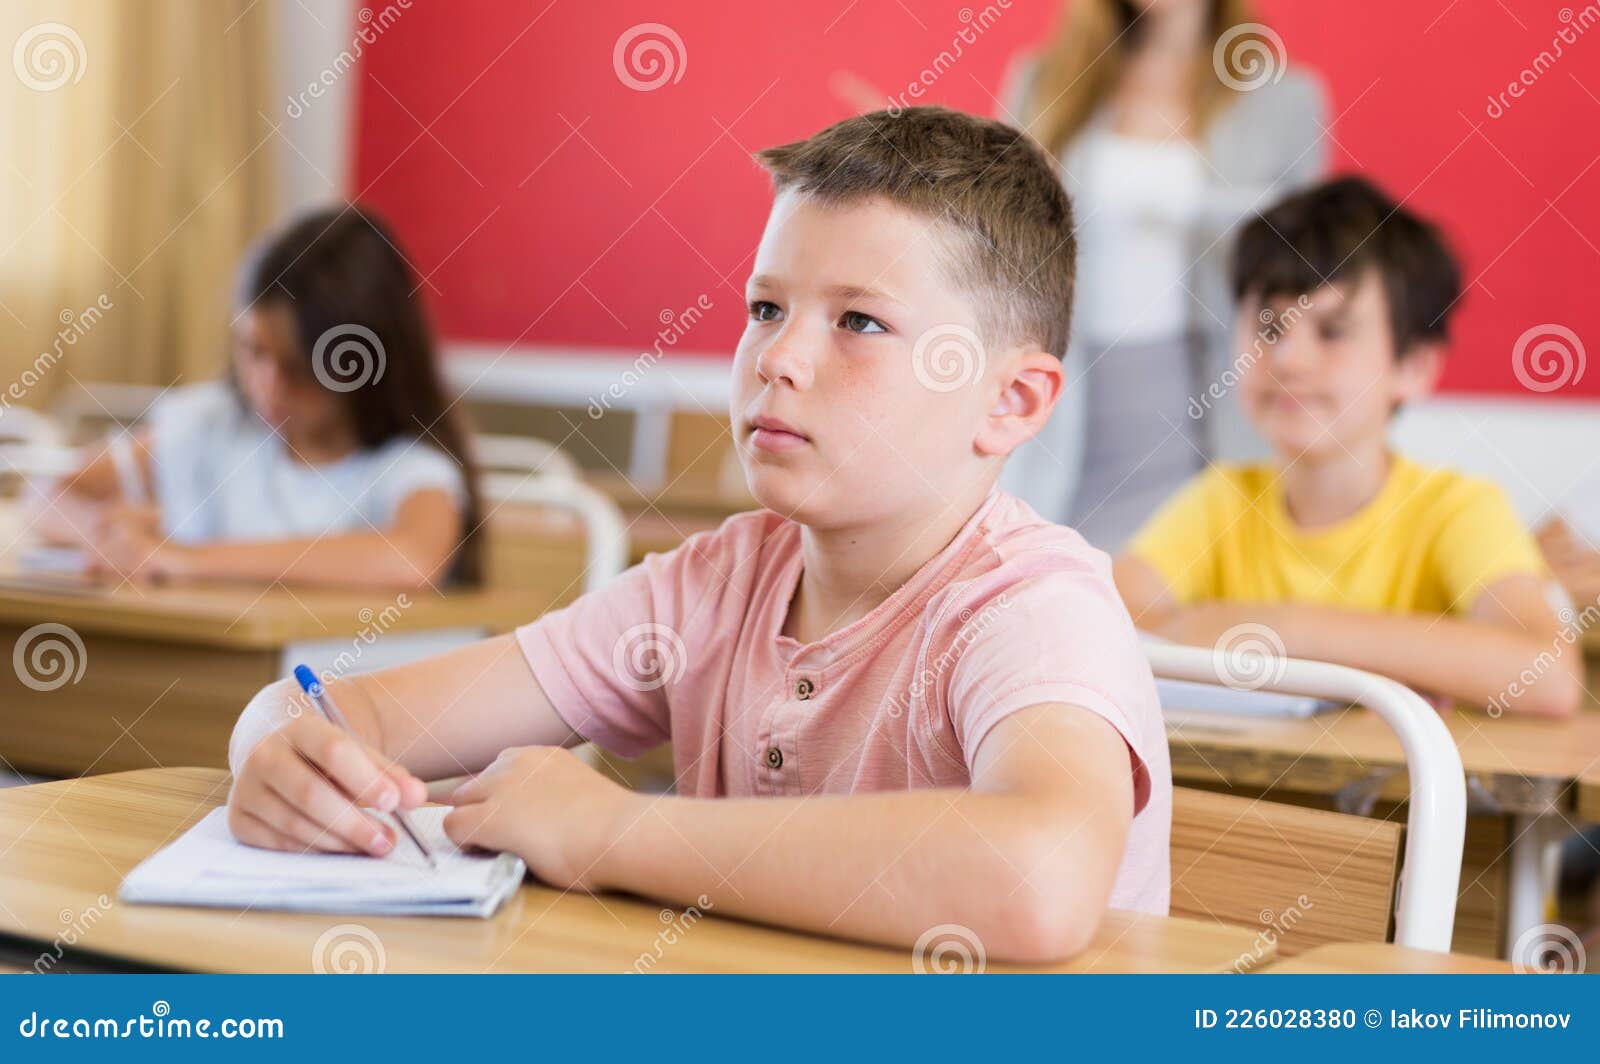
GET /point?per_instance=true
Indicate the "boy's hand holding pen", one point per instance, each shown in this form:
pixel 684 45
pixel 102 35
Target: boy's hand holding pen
pixel 303 785
pixel 325 705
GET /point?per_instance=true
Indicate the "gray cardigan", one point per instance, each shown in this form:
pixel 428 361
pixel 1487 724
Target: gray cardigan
pixel 1268 142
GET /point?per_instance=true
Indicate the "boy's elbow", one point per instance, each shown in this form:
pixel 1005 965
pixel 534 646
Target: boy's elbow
pixel 1041 927
pixel 1566 700
pixel 1050 916
pixel 1558 694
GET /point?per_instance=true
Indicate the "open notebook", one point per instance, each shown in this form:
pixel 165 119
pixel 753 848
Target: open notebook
pixel 52 560
pixel 207 866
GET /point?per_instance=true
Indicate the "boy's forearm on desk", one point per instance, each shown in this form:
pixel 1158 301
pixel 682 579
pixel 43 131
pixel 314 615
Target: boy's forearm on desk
pixel 884 867
pixel 1465 659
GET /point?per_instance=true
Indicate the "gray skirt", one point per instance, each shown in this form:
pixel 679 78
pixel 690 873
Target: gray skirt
pixel 1141 440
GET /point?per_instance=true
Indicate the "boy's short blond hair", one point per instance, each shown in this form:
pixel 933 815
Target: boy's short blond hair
pixel 992 186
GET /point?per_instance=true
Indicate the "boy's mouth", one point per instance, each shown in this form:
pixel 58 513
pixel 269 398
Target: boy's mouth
pixel 1294 401
pixel 775 435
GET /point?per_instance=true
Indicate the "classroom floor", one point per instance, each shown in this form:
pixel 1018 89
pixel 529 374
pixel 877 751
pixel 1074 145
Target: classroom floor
pixel 17 779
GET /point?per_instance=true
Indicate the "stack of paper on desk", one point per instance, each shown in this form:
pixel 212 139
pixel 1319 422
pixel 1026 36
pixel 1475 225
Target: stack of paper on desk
pixel 1182 696
pixel 207 866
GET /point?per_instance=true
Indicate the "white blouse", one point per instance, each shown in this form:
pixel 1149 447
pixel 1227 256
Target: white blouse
pixel 1137 202
pixel 221 474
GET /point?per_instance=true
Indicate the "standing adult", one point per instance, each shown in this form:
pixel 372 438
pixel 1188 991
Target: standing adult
pixel 1173 120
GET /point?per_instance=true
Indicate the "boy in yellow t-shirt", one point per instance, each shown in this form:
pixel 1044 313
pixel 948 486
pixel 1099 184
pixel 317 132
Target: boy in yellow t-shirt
pixel 1345 551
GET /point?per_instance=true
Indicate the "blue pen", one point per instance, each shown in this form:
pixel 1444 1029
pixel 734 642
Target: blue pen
pixel 324 703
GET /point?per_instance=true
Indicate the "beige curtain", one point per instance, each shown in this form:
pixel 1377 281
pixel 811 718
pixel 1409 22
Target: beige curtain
pixel 141 160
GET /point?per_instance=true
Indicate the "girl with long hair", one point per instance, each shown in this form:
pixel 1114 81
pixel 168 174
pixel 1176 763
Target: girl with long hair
pixel 328 454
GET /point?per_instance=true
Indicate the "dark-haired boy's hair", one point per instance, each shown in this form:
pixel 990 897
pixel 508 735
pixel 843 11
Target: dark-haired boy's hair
pixel 993 187
pixel 1337 231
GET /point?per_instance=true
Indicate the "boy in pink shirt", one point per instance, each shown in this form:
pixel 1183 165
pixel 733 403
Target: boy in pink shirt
pixel 915 702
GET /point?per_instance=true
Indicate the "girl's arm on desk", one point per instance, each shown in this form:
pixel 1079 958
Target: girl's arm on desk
pixel 74 511
pixel 411 554
pixel 298 781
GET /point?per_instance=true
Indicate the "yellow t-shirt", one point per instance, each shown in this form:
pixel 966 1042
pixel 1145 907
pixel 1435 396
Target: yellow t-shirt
pixel 1428 543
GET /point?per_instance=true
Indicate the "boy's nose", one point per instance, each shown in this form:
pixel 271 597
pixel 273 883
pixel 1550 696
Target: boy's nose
pixel 787 358
pixel 1291 349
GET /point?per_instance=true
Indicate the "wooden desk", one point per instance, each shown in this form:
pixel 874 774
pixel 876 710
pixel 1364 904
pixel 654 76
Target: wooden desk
pixel 142 677
pixel 65 844
pixel 1524 772
pixel 1519 765
pixel 165 671
pixel 1381 958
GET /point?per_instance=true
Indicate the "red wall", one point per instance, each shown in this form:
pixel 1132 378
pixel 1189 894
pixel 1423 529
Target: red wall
pixel 553 204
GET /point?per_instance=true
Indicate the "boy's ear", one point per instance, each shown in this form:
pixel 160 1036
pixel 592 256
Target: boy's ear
pixel 1419 370
pixel 1028 392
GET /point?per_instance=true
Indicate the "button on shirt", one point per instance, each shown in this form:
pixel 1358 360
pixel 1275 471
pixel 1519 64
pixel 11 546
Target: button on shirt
pixel 1014 612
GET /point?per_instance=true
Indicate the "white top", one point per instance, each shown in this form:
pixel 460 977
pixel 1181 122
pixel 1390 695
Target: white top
pixel 1137 202
pixel 221 474
pixel 1581 508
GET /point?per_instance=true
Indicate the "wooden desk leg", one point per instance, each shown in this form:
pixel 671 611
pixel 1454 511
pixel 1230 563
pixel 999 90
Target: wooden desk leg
pixel 1535 864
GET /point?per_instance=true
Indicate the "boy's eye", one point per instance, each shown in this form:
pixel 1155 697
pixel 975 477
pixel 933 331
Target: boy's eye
pixel 857 322
pixel 762 310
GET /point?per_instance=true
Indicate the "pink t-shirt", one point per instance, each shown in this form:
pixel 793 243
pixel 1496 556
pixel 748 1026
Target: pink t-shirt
pixel 1015 611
